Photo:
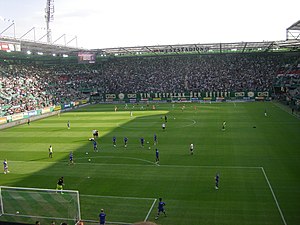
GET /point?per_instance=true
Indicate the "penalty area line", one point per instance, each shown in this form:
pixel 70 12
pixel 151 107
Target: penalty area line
pixel 150 210
pixel 122 197
pixel 274 196
pixel 108 222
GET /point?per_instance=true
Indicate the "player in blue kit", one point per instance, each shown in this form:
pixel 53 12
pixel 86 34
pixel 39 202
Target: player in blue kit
pixel 102 216
pixel 95 146
pixel 125 142
pixel 217 181
pixel 142 141
pixel 114 141
pixel 71 161
pixel 157 156
pixel 161 208
pixel 155 139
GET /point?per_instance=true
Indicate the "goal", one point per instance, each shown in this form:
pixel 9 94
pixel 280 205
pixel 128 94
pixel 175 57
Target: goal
pixel 39 203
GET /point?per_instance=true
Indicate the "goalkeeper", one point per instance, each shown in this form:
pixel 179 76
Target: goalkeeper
pixel 60 184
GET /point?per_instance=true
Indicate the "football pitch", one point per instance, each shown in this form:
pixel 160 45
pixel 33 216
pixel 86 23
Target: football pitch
pixel 256 156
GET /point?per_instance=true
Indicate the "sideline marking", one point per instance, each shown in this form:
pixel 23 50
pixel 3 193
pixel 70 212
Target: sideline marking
pixel 285 110
pixel 178 166
pixel 274 196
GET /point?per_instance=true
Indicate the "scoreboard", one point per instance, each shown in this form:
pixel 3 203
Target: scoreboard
pixel 86 57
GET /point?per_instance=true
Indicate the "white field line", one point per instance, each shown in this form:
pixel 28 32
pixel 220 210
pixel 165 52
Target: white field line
pixel 41 217
pixel 283 109
pixel 107 222
pixel 138 159
pixel 274 196
pixel 150 210
pixel 138 165
pixel 123 197
pixel 224 167
pixel 182 126
pixel 176 166
pixel 38 189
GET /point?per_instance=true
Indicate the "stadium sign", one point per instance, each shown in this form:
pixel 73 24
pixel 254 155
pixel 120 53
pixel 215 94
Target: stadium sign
pixel 180 96
pixel 17 117
pixel 3 120
pixel 184 49
pixel 10 46
pixel 32 113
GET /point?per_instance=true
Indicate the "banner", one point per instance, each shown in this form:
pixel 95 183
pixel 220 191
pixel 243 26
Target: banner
pixel 3 120
pixel 46 110
pixel 57 107
pixel 187 96
pixel 32 113
pixel 17 117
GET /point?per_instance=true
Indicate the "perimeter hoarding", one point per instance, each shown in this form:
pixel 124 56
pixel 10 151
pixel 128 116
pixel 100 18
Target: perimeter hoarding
pixel 184 96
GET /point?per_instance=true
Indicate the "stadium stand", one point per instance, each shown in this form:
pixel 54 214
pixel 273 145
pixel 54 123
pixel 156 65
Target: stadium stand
pixel 27 86
pixel 287 84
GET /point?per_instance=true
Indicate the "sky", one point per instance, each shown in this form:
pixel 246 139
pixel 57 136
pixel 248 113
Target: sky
pixel 128 23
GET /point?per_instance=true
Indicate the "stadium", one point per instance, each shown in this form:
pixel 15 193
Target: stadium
pixel 79 130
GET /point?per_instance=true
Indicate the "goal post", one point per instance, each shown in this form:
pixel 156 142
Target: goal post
pixel 40 203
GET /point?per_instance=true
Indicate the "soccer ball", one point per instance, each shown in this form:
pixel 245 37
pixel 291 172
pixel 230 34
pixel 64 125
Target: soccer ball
pixel 89 160
pixel 149 148
pixel 17 212
pixel 86 153
pixel 147 142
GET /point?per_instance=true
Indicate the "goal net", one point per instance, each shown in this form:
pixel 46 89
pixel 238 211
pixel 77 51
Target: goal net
pixel 39 203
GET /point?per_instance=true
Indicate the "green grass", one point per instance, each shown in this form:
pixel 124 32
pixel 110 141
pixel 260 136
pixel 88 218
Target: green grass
pixel 126 182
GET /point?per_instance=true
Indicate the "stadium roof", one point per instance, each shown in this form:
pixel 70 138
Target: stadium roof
pixel 25 46
pixel 293 32
pixel 292 42
pixel 295 26
pixel 35 47
pixel 190 48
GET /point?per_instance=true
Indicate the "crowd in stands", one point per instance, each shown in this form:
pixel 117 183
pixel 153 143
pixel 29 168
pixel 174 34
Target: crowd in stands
pixel 21 89
pixel 27 86
pixel 287 84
